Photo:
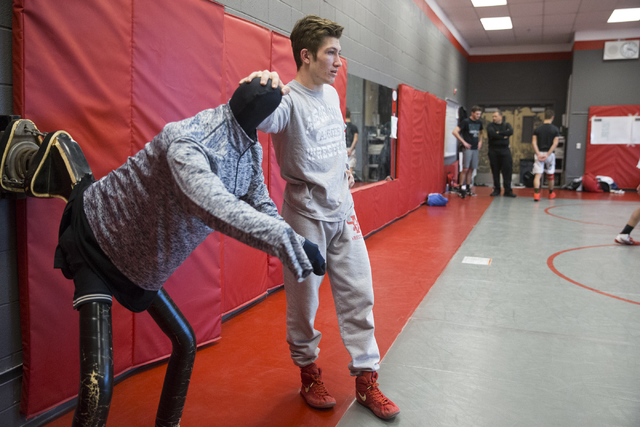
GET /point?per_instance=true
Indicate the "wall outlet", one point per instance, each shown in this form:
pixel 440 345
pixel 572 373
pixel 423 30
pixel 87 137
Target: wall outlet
pixel 578 145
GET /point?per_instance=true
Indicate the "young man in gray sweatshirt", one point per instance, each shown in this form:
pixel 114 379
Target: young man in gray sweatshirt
pixel 308 135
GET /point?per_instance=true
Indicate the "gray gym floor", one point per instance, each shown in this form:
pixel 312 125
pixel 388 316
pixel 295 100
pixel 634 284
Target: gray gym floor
pixel 515 344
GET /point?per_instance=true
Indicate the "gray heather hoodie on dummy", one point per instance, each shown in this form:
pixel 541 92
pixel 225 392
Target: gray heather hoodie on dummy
pixel 198 175
pixel 312 157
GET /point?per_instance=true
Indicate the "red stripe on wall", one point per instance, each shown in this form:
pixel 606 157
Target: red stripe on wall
pixel 522 57
pixel 441 26
pixel 589 45
pixel 593 44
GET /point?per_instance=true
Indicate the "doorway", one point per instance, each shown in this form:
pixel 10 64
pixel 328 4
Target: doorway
pixel 523 120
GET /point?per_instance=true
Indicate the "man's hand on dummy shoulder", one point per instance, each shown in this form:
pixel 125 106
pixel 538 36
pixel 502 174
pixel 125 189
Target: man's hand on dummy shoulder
pixel 264 78
pixel 315 257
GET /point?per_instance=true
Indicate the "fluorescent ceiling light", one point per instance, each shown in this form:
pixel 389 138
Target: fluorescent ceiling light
pixel 625 15
pixel 502 23
pixel 485 3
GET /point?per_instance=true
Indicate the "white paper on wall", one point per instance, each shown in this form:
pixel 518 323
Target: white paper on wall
pixel 451 122
pixel 611 130
pixel 635 131
pixel 394 127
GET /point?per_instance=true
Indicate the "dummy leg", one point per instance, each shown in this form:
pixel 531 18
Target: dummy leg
pixel 176 381
pixel 96 365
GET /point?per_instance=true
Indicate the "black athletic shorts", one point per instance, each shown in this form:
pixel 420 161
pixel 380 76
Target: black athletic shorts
pixel 80 258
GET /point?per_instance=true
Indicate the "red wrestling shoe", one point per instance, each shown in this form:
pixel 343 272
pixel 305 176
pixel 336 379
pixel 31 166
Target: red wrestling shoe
pixel 369 395
pixel 313 389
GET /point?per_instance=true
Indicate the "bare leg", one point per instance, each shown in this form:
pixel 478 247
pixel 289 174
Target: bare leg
pixel 536 181
pixel 469 178
pixel 176 381
pixel 635 218
pixel 96 365
pixel 463 176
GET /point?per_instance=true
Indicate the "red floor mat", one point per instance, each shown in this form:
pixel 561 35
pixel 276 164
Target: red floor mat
pixel 248 379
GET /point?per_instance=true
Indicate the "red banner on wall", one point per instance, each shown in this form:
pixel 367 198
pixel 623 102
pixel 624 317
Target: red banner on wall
pixel 618 161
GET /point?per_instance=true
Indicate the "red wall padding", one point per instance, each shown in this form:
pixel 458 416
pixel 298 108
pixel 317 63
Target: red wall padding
pixel 420 164
pixel 113 79
pixel 247 48
pixel 67 82
pixel 170 82
pixel 618 161
pixel 112 104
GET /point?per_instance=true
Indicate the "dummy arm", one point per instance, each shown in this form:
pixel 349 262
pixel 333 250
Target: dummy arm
pixel 258 195
pixel 222 211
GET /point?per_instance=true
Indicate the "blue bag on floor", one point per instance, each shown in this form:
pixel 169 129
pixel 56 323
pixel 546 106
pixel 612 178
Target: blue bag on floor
pixel 437 199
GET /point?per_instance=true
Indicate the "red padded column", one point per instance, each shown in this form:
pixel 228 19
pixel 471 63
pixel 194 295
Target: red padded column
pixel 435 176
pixel 176 73
pixel 247 48
pixel 340 85
pixel 68 80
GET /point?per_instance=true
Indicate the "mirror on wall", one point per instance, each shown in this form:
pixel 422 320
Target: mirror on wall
pixel 370 108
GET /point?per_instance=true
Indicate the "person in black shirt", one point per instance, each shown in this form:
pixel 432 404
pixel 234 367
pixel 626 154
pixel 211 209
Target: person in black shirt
pixel 469 133
pixel 544 141
pixel 500 159
pixel 351 139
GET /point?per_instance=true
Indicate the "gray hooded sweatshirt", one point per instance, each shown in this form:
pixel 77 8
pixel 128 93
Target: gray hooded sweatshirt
pixel 198 175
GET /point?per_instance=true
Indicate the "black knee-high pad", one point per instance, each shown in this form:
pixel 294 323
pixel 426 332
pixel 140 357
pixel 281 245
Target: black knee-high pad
pixel 176 381
pixel 96 365
pixel 19 143
pixel 48 167
pixel 57 167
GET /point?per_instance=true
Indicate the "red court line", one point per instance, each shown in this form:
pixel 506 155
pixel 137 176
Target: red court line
pixel 555 270
pixel 574 220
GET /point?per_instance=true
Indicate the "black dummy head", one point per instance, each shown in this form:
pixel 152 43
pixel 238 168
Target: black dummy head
pixel 251 103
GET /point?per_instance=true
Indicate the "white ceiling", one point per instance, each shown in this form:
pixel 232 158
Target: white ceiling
pixel 538 25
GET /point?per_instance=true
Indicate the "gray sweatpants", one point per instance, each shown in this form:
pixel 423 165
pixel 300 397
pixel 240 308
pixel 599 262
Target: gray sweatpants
pixel 342 245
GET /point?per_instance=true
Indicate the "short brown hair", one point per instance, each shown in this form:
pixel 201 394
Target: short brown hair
pixel 476 108
pixel 549 114
pixel 309 33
